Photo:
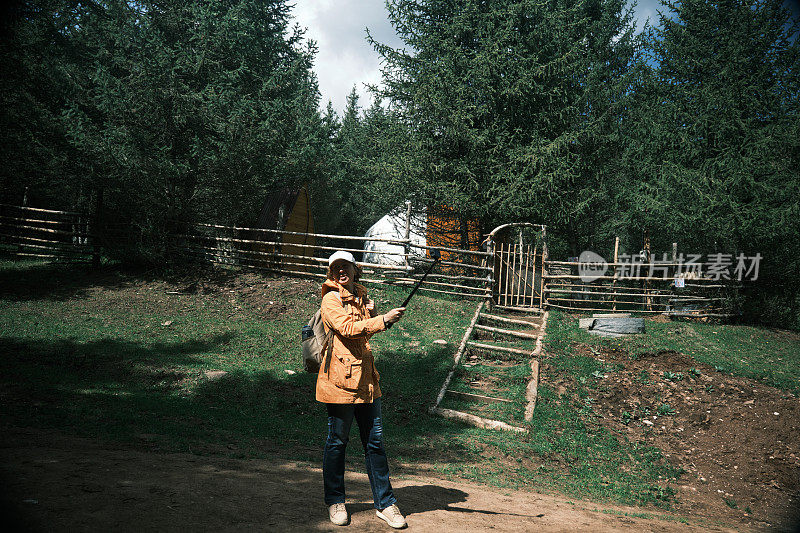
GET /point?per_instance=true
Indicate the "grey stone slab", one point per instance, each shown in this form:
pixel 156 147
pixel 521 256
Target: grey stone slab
pixel 620 326
pixel 605 333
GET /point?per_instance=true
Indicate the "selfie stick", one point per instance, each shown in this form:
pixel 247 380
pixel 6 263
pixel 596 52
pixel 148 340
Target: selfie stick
pixel 436 255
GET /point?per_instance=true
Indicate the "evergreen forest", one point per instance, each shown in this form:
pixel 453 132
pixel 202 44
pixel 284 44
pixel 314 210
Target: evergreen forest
pixel 556 112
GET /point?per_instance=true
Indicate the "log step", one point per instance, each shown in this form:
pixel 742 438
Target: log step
pixel 505 320
pixel 477 421
pixel 523 309
pixel 482 346
pixel 507 332
pixel 478 397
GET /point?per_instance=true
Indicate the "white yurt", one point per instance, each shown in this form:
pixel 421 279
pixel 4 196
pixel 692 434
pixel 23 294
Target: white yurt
pixel 393 226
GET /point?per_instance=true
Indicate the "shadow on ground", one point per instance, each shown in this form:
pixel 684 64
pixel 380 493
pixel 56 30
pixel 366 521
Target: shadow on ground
pixel 158 395
pixel 54 481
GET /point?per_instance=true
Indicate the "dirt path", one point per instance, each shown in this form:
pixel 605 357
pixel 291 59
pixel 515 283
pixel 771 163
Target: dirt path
pixel 54 482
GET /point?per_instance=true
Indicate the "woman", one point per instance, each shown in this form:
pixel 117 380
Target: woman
pixel 348 385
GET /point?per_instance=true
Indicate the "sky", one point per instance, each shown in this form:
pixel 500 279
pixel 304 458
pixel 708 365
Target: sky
pixel 345 59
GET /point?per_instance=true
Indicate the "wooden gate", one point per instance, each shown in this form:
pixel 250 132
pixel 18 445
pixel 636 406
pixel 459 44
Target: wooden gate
pixel 518 251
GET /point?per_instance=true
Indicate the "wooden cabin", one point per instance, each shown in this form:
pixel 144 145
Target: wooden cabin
pixel 287 209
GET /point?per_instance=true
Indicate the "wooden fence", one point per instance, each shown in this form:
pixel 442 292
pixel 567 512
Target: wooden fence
pixel 62 236
pixel 466 273
pixel 513 271
pixel 653 288
pixel 519 251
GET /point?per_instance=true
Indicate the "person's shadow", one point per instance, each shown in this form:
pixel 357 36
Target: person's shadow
pixel 418 499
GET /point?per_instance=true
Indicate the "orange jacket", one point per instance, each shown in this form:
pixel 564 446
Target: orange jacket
pixel 352 377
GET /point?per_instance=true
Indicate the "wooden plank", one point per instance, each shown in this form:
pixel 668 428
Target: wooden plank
pixel 514 281
pixel 496 230
pixel 587 309
pixel 702 315
pixel 507 272
pixel 616 259
pixel 435 283
pixel 26 208
pixel 47 230
pixel 607 293
pixel 522 309
pixel 424 288
pixel 34 239
pixel 626 278
pixel 527 269
pixel 508 320
pixel 52 256
pixel 541 278
pixel 68 248
pixel 513 333
pixel 533 270
pixel 40 221
pixel 399 242
pixel 477 397
pixel 504 349
pixel 458 354
pixel 532 391
pixel 476 421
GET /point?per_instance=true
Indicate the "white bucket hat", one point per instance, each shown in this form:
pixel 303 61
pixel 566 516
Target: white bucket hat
pixel 347 256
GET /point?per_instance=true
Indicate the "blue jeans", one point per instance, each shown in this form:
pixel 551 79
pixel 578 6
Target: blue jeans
pixel 370 426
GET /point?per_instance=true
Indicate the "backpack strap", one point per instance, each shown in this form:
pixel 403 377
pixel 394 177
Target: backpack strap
pixel 328 350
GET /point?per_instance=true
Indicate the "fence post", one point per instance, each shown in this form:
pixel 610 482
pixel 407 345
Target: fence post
pixel 614 283
pixel 674 260
pixel 490 281
pixel 98 215
pixel 545 255
pixel 407 234
pixel 647 257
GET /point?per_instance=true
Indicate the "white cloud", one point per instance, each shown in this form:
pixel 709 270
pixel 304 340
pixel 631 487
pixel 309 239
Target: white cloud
pixel 345 59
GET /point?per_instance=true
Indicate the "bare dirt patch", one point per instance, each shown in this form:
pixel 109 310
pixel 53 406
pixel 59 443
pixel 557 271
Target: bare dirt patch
pixel 737 440
pixel 55 482
pixel 264 294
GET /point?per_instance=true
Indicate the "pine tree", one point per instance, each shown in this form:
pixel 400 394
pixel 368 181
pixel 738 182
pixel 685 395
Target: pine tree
pixel 717 159
pixel 513 107
pixel 193 110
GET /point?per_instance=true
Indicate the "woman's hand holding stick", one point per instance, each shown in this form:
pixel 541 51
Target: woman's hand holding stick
pixel 393 316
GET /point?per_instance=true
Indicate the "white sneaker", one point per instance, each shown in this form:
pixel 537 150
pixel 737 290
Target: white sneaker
pixel 338 514
pixel 393 517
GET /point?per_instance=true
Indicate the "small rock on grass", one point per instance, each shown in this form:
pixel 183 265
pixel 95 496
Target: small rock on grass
pixel 440 341
pixel 212 375
pixel 290 372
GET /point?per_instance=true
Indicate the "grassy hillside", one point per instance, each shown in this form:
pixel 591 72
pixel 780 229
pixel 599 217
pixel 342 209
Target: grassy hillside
pixel 132 358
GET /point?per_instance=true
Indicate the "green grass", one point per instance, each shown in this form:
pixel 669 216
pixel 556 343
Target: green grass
pixel 509 383
pixel 770 356
pixel 90 354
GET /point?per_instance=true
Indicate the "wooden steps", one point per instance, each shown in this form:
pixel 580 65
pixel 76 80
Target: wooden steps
pixel 511 332
pixel 496 348
pixel 520 309
pixel 528 332
pixel 506 320
pixel 477 397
